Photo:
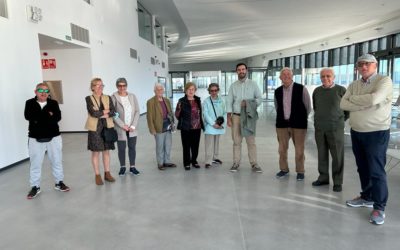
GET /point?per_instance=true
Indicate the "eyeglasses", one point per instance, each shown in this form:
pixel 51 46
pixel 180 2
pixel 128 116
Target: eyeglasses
pixel 43 91
pixel 214 90
pixel 361 64
pixel 100 85
pixel 327 76
pixel 121 85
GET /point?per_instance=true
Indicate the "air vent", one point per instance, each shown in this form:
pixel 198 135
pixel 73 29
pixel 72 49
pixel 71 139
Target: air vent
pixel 133 53
pixel 3 8
pixel 163 65
pixel 79 33
pixel 152 60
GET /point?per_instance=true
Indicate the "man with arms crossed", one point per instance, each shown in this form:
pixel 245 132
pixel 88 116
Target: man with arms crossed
pixel 369 102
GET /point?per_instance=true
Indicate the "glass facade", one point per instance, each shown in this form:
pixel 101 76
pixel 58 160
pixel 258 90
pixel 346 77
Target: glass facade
pixel 145 23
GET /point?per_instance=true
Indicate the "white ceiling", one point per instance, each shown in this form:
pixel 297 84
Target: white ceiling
pixel 229 30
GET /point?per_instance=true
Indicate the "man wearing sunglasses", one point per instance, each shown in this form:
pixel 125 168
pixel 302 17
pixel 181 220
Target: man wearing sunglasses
pixel 43 115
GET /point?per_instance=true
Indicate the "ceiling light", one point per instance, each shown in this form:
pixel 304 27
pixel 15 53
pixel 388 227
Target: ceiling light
pixel 58 42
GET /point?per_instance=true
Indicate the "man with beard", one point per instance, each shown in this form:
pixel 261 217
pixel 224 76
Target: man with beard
pixel 243 98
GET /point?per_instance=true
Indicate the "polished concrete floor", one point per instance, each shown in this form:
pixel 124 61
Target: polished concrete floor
pixel 197 209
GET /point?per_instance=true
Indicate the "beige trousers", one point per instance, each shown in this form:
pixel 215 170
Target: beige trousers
pixel 298 137
pixel 237 143
pixel 211 143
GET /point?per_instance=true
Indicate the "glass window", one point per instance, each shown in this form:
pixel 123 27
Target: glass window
pixel 373 45
pixel 145 23
pixel 352 51
pixel 396 78
pixel 397 40
pixel 312 60
pixel 297 62
pixel 382 43
pixel 325 58
pixel 159 36
pixel 336 56
pixel 343 55
pixel 319 59
pixel 364 48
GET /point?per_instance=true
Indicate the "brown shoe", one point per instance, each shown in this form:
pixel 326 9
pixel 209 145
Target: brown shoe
pixel 161 167
pixel 98 180
pixel 108 177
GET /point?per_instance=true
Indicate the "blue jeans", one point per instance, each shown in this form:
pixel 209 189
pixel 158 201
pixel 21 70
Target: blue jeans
pixel 163 147
pixel 369 149
pixel 36 155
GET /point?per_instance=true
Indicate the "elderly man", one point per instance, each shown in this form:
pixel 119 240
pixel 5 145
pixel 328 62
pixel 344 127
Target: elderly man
pixel 369 102
pixel 293 104
pixel 160 122
pixel 43 115
pixel 329 129
pixel 242 101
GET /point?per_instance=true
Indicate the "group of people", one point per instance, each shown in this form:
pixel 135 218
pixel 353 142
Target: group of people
pixel 367 102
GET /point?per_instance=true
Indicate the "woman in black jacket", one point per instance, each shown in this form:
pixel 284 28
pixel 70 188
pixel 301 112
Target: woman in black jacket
pixel 190 122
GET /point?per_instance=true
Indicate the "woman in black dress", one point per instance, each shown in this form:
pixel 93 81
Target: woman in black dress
pixel 100 112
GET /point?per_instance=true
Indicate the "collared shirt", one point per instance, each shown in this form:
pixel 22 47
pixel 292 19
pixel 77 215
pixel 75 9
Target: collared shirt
pixel 239 91
pixel 287 100
pixel 368 81
pixel 333 85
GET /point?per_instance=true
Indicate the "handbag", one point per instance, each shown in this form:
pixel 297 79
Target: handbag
pixel 169 121
pixel 109 135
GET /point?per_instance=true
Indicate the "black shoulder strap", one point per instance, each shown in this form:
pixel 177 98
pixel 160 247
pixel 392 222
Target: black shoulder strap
pixel 212 104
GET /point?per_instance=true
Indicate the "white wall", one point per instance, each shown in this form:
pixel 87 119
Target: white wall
pixel 73 70
pixel 113 31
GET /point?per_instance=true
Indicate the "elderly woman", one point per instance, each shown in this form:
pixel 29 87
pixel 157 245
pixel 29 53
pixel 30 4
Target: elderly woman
pixel 100 112
pixel 190 122
pixel 214 115
pixel 127 108
pixel 159 120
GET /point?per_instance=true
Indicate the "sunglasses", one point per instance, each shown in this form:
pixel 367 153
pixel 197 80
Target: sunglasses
pixel 43 91
pixel 214 90
pixel 121 85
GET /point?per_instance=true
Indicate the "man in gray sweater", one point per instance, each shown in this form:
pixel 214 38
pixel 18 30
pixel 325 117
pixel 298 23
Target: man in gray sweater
pixel 329 129
pixel 369 102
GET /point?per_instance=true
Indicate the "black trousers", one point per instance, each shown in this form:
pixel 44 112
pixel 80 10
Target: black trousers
pixel 190 144
pixel 131 150
pixel 369 149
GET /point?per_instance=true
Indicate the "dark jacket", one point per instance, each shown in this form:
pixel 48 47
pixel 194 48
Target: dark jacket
pixel 185 115
pixel 41 123
pixel 298 114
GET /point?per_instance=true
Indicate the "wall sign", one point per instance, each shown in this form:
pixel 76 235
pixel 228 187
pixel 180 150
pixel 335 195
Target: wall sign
pixel 49 63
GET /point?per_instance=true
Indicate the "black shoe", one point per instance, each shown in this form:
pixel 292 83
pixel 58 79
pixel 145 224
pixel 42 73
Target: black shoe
pixel 60 186
pixel 161 167
pixel 33 193
pixel 122 171
pixel 300 177
pixel 169 165
pixel 187 168
pixel 318 183
pixel 281 174
pixel 217 161
pixel 134 171
pixel 337 188
pixel 208 165
pixel 196 165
